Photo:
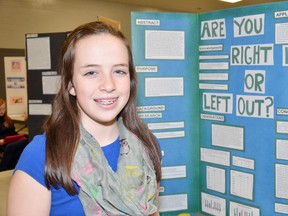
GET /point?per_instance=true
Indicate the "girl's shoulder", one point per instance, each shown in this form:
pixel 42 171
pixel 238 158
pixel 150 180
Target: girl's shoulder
pixel 32 159
pixel 37 144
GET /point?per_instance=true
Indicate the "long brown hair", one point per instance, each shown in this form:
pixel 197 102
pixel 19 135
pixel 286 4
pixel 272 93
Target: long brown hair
pixel 6 118
pixel 62 126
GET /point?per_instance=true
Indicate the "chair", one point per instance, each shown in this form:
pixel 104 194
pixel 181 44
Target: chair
pixel 11 154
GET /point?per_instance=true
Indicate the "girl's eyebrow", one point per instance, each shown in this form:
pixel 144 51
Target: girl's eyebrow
pixel 97 65
pixel 122 65
pixel 90 65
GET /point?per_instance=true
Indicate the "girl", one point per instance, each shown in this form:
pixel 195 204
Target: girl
pixel 96 156
pixel 6 125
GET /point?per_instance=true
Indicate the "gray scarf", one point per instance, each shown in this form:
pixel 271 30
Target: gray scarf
pixel 129 191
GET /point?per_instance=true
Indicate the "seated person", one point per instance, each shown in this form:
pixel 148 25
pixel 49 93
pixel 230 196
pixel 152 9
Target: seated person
pixel 6 125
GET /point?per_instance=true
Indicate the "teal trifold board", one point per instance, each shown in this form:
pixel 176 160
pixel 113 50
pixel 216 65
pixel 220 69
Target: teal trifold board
pixel 164 47
pixel 213 88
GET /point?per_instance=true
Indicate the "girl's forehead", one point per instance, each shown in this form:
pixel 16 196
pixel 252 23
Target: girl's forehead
pixel 100 45
pixel 100 38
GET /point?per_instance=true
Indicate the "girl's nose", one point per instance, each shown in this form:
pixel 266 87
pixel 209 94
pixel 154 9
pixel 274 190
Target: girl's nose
pixel 108 83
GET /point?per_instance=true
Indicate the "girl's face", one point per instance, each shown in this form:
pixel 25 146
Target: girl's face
pixel 101 80
pixel 2 109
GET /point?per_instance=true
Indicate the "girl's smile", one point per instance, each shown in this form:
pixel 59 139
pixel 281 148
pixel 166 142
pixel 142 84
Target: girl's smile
pixel 106 102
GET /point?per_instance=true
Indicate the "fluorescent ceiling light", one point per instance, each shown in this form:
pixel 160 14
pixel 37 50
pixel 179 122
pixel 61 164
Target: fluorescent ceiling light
pixel 231 1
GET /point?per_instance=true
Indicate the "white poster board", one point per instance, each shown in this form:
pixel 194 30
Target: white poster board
pixel 16 86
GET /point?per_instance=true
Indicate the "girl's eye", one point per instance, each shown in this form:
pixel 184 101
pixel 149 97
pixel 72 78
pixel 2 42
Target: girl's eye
pixel 121 72
pixel 90 73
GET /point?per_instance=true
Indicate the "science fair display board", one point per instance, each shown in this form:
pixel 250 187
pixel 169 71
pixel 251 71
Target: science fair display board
pixel 213 88
pixel 42 52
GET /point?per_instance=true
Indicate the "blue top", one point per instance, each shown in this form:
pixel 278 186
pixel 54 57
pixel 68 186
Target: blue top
pixel 32 162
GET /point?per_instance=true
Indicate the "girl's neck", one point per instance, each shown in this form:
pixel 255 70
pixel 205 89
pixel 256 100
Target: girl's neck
pixel 105 134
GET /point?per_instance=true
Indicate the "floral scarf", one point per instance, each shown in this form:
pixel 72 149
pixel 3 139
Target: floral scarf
pixel 129 191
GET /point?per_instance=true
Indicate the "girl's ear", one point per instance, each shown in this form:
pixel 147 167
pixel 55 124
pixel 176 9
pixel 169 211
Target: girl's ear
pixel 71 89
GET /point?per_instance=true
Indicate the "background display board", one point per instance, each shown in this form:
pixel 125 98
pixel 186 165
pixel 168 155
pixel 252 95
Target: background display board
pixel 214 91
pixel 42 52
pixel 16 86
pixel 7 53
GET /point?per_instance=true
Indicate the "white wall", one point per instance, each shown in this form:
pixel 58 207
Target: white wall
pixel 18 17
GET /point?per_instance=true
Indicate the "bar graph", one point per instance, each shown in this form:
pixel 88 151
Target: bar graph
pixel 238 209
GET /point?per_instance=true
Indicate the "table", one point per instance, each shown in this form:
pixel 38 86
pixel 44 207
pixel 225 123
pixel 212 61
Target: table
pixel 20 123
pixel 5 178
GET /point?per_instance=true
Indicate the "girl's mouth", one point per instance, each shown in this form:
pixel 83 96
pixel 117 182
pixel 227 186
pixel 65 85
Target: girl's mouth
pixel 106 102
